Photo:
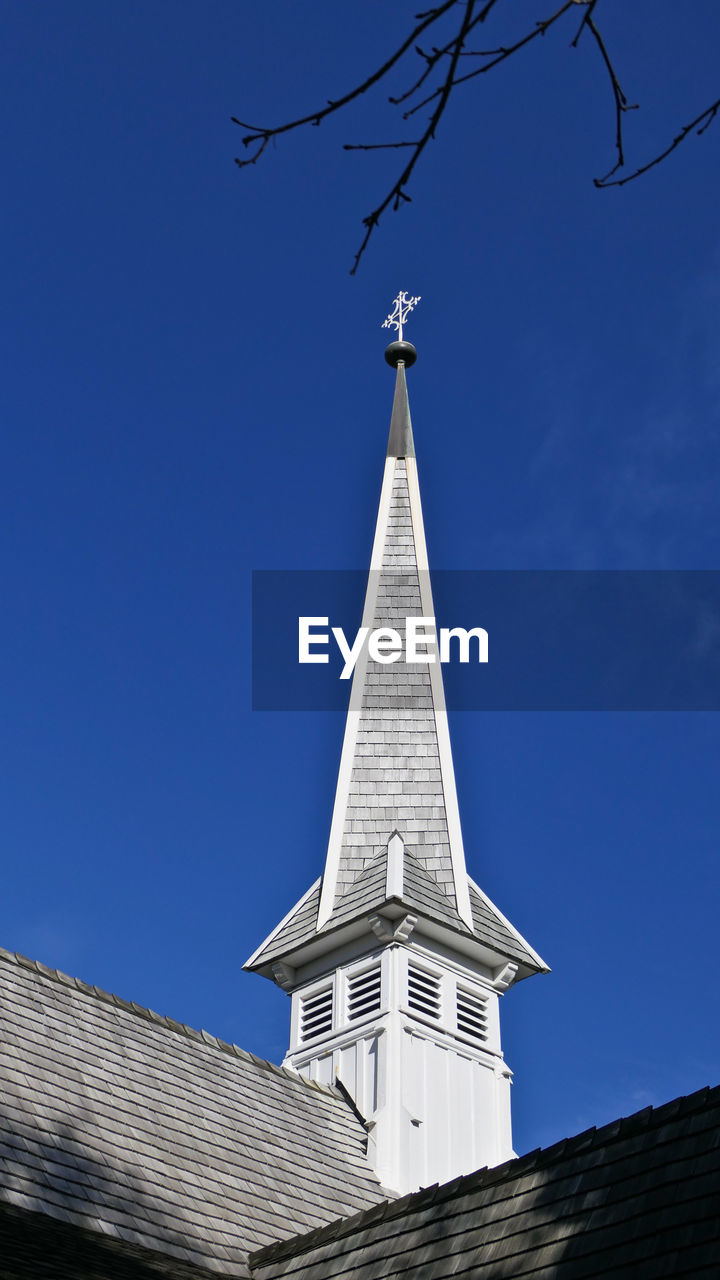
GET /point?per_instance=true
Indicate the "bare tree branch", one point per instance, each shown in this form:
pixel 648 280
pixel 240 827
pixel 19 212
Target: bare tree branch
pixel 433 58
pixel 700 124
pixel 621 102
pixel 444 60
pixel 263 136
pixel 497 56
pixel 397 192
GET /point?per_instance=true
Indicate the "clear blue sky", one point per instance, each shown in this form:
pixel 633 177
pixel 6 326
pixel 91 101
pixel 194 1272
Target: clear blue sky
pixel 194 387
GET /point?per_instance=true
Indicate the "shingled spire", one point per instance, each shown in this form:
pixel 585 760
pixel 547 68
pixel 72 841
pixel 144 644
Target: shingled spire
pixel 396 768
pixel 395 937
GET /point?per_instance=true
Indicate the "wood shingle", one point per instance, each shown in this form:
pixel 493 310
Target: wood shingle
pixel 120 1121
pixel 639 1197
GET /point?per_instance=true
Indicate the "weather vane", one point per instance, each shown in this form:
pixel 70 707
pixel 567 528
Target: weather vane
pixel 399 314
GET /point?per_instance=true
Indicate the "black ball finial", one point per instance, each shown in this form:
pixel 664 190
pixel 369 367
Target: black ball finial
pixel 400 351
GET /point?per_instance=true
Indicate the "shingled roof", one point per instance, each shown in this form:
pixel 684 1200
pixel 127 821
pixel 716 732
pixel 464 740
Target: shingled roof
pixel 367 892
pixel 118 1121
pixel 639 1197
pixel 35 1245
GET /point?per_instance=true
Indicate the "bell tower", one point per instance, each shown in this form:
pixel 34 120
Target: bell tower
pixel 395 959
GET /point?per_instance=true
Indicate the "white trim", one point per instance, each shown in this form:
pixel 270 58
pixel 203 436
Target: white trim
pixel 453 1040
pixel 395 867
pixel 293 911
pixel 352 724
pixel 516 932
pixel 447 771
pixel 345 1037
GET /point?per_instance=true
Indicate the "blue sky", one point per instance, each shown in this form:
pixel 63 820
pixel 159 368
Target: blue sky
pixel 194 388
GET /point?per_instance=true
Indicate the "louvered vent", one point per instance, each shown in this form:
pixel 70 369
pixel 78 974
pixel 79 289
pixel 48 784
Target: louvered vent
pixel 472 1014
pixel 316 1014
pixel 363 993
pixel 423 991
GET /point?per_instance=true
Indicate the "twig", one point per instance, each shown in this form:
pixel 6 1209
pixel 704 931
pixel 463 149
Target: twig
pixel 474 13
pixel 433 58
pixel 396 193
pixel 590 5
pixel 621 103
pixel 497 55
pixel 708 115
pixel 377 146
pixel 263 136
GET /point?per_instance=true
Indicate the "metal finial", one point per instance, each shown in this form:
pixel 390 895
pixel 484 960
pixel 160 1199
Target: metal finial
pixel 399 314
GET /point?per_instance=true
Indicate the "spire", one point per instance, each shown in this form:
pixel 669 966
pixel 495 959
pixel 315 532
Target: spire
pixel 396 767
pixel 396 775
pixel 400 440
pixel 395 960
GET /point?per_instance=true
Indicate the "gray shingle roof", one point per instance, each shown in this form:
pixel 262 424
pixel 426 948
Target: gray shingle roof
pixel 299 927
pixel 421 893
pixel 638 1198
pixel 35 1245
pixel 365 893
pixel 491 928
pixel 118 1120
pixel 395 780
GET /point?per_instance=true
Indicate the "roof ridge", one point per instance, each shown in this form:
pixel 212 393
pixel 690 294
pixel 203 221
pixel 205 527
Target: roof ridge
pixel 614 1131
pixel 149 1015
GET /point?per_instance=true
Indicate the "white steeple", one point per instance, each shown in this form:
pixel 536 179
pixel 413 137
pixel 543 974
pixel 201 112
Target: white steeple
pixel 396 959
pixel 396 761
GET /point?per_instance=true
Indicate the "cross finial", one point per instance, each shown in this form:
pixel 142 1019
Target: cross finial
pixel 399 314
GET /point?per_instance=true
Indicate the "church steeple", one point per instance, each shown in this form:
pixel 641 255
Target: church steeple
pixel 395 958
pixel 396 767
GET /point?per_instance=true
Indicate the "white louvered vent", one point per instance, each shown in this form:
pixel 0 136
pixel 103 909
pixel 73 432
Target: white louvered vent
pixel 363 993
pixel 472 1014
pixel 316 1014
pixel 423 991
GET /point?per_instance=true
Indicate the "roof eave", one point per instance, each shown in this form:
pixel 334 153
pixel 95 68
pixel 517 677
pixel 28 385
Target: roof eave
pixel 333 937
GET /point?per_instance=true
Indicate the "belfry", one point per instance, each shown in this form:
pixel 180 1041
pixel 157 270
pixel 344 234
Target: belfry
pixel 395 958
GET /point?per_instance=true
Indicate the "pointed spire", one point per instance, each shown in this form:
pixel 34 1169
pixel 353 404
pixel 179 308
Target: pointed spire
pixel 400 441
pixel 396 811
pixel 396 767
